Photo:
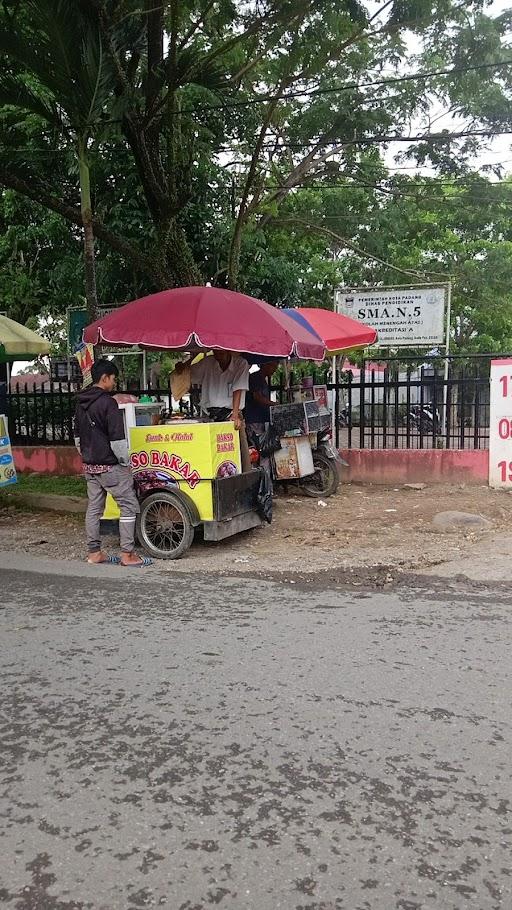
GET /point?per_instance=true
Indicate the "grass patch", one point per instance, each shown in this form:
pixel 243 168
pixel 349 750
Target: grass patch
pixel 49 483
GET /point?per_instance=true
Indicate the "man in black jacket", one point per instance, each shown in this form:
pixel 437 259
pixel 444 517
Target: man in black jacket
pixel 101 441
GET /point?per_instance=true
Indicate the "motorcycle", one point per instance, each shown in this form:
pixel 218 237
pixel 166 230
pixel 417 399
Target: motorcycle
pixel 327 463
pixel 425 419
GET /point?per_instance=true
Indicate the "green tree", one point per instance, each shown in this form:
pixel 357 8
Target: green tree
pixel 57 68
pixel 460 227
pixel 428 229
pixel 258 100
pixel 38 260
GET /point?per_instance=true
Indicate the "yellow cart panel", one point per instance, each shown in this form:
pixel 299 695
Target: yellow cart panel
pixel 189 456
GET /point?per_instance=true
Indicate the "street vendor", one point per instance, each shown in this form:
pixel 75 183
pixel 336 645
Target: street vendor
pixel 224 381
pixel 258 400
pixel 257 407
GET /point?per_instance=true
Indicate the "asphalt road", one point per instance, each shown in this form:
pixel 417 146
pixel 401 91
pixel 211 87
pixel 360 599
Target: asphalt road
pixel 245 744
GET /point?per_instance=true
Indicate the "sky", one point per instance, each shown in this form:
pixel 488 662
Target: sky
pixel 500 146
pixel 495 150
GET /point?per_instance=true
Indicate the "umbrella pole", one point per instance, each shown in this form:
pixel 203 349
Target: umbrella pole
pixel 144 371
pixel 334 376
pixel 287 379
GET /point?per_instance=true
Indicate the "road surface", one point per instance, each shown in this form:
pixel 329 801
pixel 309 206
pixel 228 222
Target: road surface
pixel 195 742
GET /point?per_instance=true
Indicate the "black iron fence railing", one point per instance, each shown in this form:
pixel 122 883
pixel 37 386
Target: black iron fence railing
pixel 39 417
pixel 396 404
pixel 392 404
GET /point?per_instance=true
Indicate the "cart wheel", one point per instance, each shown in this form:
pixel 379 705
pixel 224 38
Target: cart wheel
pixel 325 480
pixel 164 526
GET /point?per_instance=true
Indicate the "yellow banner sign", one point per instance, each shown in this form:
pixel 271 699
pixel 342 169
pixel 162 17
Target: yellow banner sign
pixel 7 469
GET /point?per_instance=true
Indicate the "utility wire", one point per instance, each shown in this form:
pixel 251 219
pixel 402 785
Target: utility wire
pixel 364 141
pixel 350 86
pixel 422 184
pixel 391 170
pixel 374 140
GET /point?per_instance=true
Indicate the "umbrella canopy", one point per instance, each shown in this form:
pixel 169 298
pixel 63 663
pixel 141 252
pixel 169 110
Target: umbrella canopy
pixel 19 343
pixel 337 332
pixel 204 318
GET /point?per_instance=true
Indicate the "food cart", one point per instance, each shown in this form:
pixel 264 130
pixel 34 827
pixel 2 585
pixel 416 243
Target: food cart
pixel 307 454
pixel 188 473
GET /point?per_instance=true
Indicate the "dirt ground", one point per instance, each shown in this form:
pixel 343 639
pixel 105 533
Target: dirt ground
pixel 364 534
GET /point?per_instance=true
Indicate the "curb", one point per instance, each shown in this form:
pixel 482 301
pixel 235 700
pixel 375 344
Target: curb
pixel 52 502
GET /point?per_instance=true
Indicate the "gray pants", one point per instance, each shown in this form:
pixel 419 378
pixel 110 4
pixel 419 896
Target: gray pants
pixel 119 483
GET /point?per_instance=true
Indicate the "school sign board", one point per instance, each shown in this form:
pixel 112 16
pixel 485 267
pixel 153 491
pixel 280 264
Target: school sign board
pixel 403 317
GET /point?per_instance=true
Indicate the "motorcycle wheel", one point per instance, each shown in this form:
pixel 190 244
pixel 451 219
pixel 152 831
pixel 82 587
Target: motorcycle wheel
pixel 325 480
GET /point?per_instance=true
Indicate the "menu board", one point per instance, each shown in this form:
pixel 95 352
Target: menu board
pixel 7 469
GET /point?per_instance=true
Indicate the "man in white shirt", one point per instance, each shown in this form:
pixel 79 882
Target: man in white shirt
pixel 224 380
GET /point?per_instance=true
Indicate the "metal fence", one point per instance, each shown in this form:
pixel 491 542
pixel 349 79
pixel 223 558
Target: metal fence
pixel 442 403
pixel 38 417
pixel 395 404
pixel 426 407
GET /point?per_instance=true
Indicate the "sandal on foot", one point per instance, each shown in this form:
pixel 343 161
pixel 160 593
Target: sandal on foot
pixel 143 564
pixel 110 560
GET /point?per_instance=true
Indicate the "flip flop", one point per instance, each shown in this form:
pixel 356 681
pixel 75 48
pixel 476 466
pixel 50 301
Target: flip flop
pixel 110 560
pixel 143 564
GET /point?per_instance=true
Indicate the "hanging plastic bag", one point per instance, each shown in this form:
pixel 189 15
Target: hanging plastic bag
pixel 269 441
pixel 264 496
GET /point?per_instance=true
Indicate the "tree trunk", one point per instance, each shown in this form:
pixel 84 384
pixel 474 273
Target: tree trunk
pixel 234 258
pixel 174 256
pixel 86 209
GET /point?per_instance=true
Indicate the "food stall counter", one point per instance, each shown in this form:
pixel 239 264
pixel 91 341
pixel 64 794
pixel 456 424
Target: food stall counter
pixel 188 455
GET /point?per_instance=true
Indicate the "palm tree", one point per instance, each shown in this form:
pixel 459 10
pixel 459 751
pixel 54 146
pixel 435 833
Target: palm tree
pixel 56 67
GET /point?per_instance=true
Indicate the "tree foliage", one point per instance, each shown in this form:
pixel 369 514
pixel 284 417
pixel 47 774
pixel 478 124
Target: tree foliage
pixel 244 144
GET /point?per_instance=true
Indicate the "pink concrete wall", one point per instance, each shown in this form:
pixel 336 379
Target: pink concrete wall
pixel 47 460
pixel 386 466
pixel 416 466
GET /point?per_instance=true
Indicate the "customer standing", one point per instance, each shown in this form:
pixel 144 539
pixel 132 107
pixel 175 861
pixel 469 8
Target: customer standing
pixel 100 439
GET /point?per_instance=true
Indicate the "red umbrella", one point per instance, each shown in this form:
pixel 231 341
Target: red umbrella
pixel 337 332
pixel 206 318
